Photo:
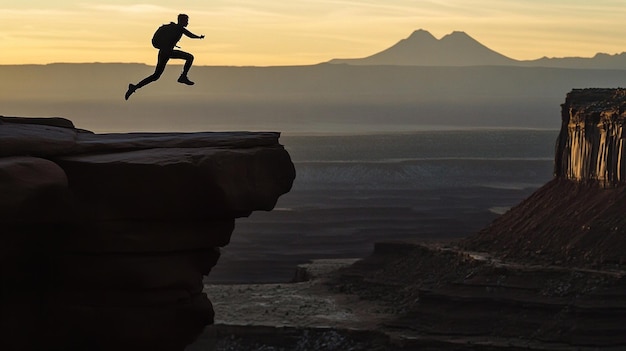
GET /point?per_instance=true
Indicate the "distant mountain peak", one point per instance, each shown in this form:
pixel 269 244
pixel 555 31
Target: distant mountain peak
pixel 457 34
pixel 421 34
pixel 458 48
pixel 421 48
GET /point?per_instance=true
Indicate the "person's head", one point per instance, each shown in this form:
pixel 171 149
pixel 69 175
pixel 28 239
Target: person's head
pixel 183 19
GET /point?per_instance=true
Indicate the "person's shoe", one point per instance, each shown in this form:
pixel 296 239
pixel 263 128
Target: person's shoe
pixel 131 89
pixel 185 80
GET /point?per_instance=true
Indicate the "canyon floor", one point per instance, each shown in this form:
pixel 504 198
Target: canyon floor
pixel 426 296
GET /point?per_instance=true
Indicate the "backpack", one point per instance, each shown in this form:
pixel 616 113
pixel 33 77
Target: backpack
pixel 165 36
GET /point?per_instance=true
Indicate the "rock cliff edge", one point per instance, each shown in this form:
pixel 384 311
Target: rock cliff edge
pixel 105 238
pixel 555 276
pixel 549 274
pixel 577 218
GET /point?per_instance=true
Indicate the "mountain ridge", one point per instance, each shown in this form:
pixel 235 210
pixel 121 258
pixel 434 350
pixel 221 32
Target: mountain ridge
pixel 458 48
pixel 316 98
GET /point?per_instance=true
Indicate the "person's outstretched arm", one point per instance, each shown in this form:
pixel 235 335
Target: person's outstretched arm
pixel 191 35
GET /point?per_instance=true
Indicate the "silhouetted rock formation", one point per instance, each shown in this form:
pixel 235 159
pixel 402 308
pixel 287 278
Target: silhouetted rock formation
pixel 105 239
pixel 577 218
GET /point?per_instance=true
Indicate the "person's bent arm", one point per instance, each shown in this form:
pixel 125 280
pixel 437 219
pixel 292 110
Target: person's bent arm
pixel 191 35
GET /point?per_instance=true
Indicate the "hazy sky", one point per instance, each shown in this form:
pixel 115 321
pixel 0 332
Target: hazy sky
pixel 291 32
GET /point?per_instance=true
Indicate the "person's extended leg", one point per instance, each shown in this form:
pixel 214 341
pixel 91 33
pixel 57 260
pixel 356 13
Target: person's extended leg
pixel 178 54
pixel 164 56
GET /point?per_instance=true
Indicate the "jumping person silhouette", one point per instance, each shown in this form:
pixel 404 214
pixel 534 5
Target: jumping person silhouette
pixel 165 39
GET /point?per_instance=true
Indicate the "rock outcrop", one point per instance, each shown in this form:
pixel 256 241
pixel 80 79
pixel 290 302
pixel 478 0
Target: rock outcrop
pixel 105 238
pixel 578 217
pixel 590 146
pixel 550 274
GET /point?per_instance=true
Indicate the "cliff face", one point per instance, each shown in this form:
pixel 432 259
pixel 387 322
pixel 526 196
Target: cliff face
pixel 105 239
pixel 577 218
pixel 549 274
pixel 590 146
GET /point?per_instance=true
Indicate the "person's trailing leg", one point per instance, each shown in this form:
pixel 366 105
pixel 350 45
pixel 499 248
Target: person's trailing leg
pixel 164 56
pixel 188 62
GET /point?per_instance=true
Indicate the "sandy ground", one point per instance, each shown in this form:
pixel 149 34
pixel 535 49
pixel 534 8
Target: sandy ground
pixel 308 311
pixel 308 315
pixel 250 286
pixel 303 304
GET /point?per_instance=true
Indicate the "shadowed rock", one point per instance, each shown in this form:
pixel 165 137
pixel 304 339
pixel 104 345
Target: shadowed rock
pixel 105 239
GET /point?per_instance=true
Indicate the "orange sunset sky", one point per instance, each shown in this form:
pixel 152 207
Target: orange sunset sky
pixel 295 32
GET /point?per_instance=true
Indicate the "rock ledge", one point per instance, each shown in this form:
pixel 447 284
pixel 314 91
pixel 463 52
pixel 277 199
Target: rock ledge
pixel 106 237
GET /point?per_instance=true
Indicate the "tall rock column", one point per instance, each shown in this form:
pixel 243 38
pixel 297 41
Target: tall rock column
pixel 576 219
pixel 590 146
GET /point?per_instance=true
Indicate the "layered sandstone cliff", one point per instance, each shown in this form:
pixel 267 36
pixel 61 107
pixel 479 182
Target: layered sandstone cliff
pixel 558 259
pixel 105 238
pixel 578 217
pixel 590 146
pixel 549 274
